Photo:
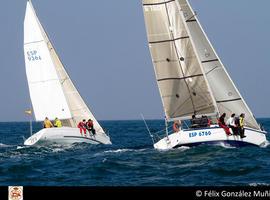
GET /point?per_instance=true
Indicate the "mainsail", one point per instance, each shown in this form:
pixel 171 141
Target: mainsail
pixel 186 63
pixel 51 90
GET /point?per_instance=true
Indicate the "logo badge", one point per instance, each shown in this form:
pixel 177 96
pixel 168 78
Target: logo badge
pixel 15 193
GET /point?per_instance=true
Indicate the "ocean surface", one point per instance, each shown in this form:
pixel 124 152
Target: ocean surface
pixel 130 161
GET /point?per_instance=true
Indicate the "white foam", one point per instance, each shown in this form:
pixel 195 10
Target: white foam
pixel 119 150
pixel 266 144
pixel 224 145
pixel 258 184
pixel 183 148
pixel 5 145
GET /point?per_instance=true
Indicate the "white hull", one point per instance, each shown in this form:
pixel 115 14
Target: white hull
pixel 213 135
pixel 65 135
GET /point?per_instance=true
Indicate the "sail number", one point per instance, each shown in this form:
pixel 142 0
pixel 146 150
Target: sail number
pixel 33 55
pixel 201 133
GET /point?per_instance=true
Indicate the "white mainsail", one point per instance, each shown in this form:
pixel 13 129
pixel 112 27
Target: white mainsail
pixel 51 90
pixel 173 21
pixel 180 78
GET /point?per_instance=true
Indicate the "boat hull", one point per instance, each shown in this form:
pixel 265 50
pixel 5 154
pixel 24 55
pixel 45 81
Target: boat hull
pixel 214 135
pixel 65 135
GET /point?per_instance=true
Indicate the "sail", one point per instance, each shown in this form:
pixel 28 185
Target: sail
pixel 47 96
pixel 227 97
pixel 180 78
pixel 47 61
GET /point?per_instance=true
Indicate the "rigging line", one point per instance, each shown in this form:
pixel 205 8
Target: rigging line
pixel 212 70
pixel 192 101
pixel 151 135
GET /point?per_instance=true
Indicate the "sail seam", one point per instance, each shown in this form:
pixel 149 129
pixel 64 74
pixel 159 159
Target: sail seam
pixel 229 100
pixel 49 80
pixel 33 42
pixel 154 4
pixel 191 20
pixel 213 60
pixel 185 77
pixel 172 40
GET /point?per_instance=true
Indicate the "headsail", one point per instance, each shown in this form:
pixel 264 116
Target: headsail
pixel 182 84
pixel 47 78
pixel 186 64
pixel 228 98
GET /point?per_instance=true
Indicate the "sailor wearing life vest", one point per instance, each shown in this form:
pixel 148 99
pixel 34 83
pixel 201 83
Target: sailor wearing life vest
pixel 176 126
pixel 82 127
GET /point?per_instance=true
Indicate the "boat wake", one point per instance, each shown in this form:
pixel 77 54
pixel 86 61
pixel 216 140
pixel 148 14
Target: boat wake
pixel 5 145
pixel 183 148
pixel 124 150
pixel 265 145
pixel 224 145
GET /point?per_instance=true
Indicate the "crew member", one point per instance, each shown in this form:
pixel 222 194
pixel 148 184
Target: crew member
pixel 47 123
pixel 90 126
pixel 231 124
pixel 176 126
pixel 57 123
pixel 242 123
pixel 221 123
pixel 82 127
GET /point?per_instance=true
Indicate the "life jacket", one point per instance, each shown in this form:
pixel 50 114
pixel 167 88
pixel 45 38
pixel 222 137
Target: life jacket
pixel 241 121
pixel 58 123
pixel 48 124
pixel 209 122
pixel 175 127
pixel 81 125
pixel 90 125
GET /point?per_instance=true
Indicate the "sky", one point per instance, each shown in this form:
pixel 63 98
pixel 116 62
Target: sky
pixel 103 45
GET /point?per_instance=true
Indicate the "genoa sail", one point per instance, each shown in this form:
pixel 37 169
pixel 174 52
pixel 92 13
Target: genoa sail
pixel 227 97
pixel 186 64
pixel 51 90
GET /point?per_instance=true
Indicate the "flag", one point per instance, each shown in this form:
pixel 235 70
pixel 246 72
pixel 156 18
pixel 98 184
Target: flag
pixel 29 112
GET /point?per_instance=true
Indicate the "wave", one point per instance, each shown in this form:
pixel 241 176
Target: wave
pixel 259 184
pixel 123 150
pixel 265 145
pixel 183 148
pixel 5 145
pixel 225 145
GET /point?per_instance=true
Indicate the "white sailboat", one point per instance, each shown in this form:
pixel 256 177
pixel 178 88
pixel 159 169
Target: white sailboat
pixel 52 92
pixel 191 77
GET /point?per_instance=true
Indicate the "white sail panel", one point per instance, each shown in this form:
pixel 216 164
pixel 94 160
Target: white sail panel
pixel 78 107
pixel 181 81
pixel 228 98
pixel 46 93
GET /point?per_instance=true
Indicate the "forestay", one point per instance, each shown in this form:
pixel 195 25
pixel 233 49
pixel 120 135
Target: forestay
pixel 181 80
pixel 52 92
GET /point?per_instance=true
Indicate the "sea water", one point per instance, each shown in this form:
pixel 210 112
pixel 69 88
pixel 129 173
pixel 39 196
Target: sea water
pixel 129 161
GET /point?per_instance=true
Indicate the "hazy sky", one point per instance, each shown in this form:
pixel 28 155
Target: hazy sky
pixel 103 46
